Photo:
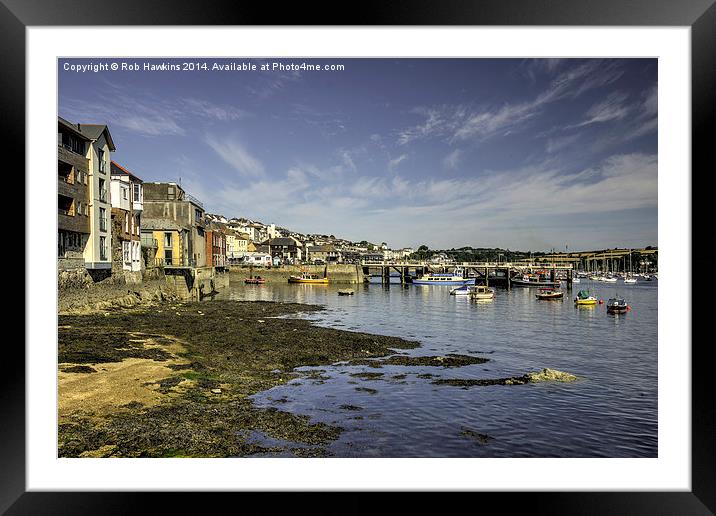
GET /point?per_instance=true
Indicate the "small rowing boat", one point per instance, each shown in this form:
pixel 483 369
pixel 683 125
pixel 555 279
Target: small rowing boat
pixel 258 280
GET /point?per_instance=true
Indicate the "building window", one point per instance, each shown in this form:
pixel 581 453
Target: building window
pixel 126 223
pixel 100 155
pixel 137 193
pixel 167 239
pixel 124 193
pixel 102 219
pixel 102 248
pixel 102 191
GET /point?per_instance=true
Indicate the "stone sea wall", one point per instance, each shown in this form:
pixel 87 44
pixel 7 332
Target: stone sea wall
pixel 78 292
pixel 338 273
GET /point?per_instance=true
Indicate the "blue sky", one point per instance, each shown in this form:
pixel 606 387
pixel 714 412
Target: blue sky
pixel 528 154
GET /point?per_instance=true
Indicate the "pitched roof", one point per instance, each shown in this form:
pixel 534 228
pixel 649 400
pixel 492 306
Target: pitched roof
pixel 283 241
pixel 118 169
pixel 94 131
pixel 72 127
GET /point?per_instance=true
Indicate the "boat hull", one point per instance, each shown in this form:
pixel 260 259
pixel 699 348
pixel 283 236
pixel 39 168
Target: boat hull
pixel 319 281
pixel 585 302
pixel 550 296
pixel 439 282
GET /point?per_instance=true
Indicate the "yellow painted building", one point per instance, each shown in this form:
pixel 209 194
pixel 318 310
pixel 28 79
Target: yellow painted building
pixel 168 238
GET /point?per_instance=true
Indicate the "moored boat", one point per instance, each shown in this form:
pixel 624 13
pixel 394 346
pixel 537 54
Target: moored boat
pixel 258 280
pixel 534 280
pixel 481 292
pixel 549 293
pixel 451 278
pixel 309 278
pixel 583 298
pixel 346 292
pixel 617 306
pixel 462 290
pixel 629 280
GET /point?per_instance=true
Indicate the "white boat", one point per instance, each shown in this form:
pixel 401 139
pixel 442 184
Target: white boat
pixel 629 280
pixel 481 292
pixel 463 290
pixel 454 278
pixel 576 280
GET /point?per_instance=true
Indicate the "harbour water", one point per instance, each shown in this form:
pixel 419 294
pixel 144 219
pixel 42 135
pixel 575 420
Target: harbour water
pixel 611 411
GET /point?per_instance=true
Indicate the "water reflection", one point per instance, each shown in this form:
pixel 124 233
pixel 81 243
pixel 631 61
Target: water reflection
pixel 600 415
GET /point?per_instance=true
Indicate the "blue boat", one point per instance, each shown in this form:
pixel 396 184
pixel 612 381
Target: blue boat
pixel 454 278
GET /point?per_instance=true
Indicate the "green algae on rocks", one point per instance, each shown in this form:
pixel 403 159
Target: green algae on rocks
pixel 221 352
pixel 545 375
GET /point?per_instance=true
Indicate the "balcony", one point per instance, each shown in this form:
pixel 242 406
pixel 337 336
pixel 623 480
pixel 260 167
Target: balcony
pixel 149 242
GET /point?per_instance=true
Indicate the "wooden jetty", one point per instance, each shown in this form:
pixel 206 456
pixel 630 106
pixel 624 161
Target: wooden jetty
pixel 487 273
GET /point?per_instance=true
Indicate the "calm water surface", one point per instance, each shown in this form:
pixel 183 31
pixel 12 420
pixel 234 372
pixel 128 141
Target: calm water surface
pixel 610 412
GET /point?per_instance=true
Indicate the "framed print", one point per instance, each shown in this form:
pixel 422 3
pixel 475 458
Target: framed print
pixel 442 249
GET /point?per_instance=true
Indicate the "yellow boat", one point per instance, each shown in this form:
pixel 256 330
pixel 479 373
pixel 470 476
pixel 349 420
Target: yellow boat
pixel 309 278
pixel 583 298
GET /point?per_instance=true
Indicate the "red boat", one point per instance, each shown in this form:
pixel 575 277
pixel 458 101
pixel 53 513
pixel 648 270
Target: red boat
pixel 258 280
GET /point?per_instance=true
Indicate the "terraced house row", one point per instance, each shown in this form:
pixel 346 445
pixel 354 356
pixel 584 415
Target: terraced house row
pixel 110 221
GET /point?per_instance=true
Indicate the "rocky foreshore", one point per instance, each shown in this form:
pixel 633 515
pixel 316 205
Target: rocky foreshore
pixel 173 378
pixel 146 375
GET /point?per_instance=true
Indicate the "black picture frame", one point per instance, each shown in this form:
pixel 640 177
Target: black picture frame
pixel 700 15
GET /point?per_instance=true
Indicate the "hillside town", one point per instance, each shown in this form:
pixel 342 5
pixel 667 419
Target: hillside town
pixel 110 220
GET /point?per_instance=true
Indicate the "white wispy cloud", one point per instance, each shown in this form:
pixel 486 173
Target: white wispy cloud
pixel 146 114
pixel 206 109
pixel 461 122
pixel 235 154
pixel 614 107
pixel 452 160
pixel 393 163
pixel 559 143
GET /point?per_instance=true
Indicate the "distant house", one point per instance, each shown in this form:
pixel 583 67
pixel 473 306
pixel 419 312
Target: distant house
pixel 260 259
pixel 237 245
pixel 286 249
pixel 325 253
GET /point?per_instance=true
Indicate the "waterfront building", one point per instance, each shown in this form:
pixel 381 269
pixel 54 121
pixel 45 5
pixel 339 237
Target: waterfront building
pixel 215 246
pixel 166 243
pixel 127 200
pixel 169 202
pixel 73 195
pixel 94 237
pixel 98 251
